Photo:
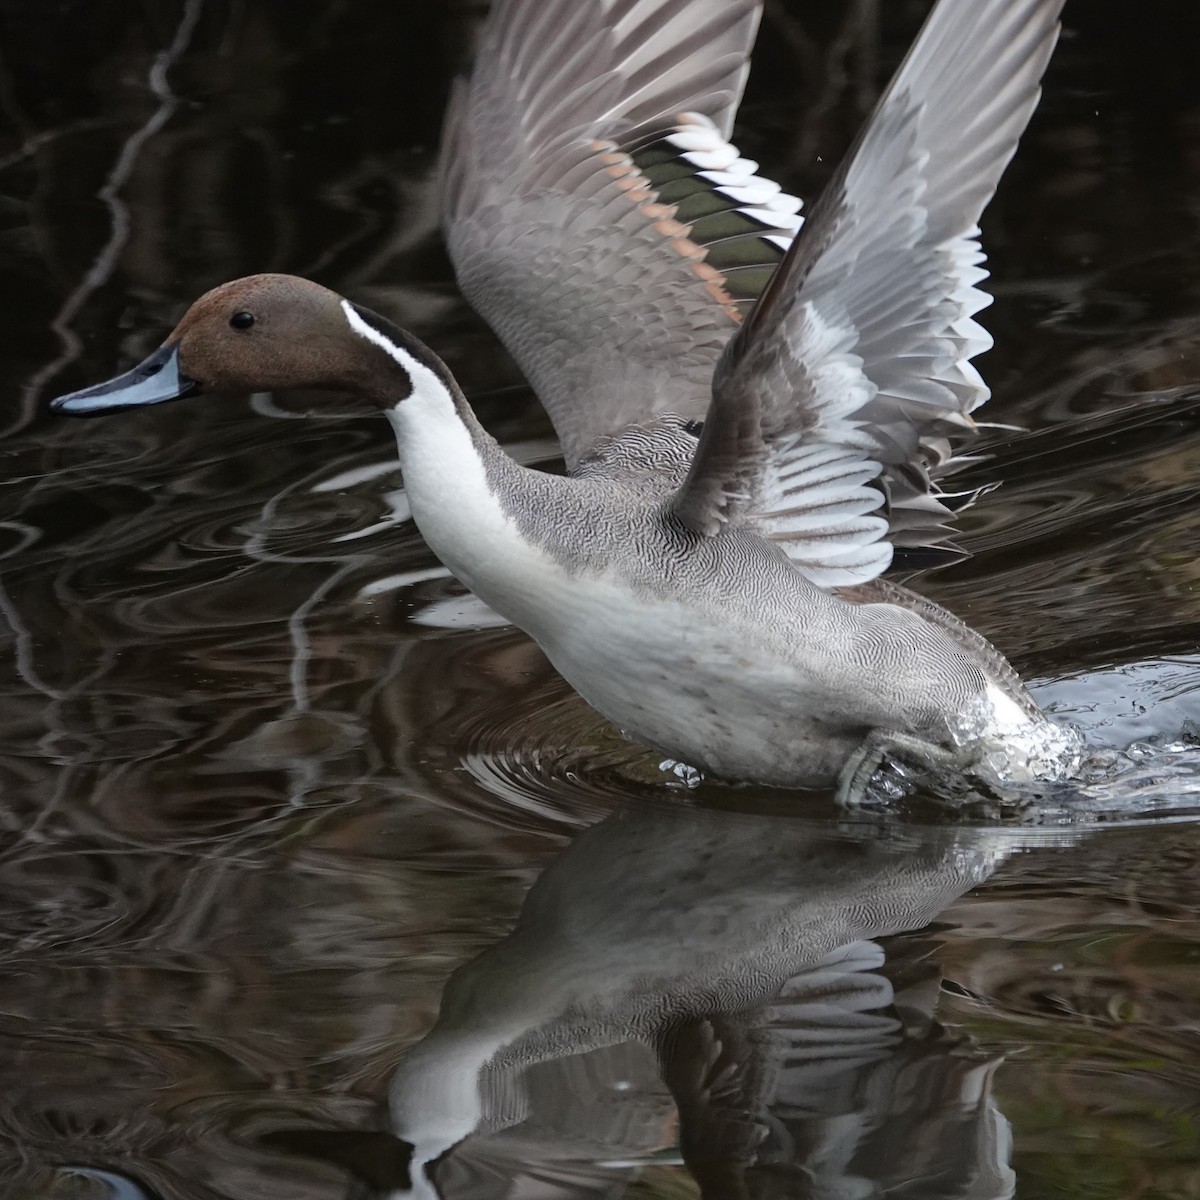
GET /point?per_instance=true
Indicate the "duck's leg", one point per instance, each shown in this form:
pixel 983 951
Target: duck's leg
pixel 862 764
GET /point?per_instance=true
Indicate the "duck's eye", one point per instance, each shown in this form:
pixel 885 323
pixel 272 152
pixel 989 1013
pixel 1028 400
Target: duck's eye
pixel 241 320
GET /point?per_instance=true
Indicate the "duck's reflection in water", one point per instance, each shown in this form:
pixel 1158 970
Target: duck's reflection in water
pixel 718 968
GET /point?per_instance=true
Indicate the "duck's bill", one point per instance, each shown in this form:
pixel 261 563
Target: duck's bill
pixel 154 381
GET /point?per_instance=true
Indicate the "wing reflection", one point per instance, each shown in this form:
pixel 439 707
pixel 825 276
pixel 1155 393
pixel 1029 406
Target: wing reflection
pixel 704 987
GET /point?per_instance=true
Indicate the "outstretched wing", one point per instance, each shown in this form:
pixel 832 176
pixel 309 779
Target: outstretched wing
pixel 595 212
pixel 836 405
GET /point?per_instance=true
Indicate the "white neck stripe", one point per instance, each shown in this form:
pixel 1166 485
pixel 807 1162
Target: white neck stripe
pixel 426 385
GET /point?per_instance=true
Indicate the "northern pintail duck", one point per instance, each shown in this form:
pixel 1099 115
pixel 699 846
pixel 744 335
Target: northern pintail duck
pixel 755 416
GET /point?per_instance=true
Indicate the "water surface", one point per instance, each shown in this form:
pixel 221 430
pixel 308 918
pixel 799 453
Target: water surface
pixel 265 814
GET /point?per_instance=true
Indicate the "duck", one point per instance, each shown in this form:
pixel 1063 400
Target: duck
pixel 757 411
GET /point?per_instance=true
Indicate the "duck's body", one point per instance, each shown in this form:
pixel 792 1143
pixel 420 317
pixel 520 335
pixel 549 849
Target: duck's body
pixel 707 573
pixel 716 651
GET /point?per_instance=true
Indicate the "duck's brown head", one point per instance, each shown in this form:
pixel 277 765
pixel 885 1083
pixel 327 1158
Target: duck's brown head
pixel 258 334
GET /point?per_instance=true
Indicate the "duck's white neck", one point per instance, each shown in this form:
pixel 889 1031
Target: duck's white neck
pixel 435 1095
pixel 445 456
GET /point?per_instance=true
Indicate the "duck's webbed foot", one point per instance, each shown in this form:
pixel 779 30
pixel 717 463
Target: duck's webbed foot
pixel 864 762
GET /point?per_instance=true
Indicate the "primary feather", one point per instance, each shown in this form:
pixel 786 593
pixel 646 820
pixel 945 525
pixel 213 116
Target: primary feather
pixel 836 405
pixel 596 214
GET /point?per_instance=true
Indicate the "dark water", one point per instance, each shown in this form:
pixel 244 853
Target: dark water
pixel 257 808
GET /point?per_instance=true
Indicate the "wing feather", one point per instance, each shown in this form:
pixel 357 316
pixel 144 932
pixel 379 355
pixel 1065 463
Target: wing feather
pixel 859 348
pixel 616 301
